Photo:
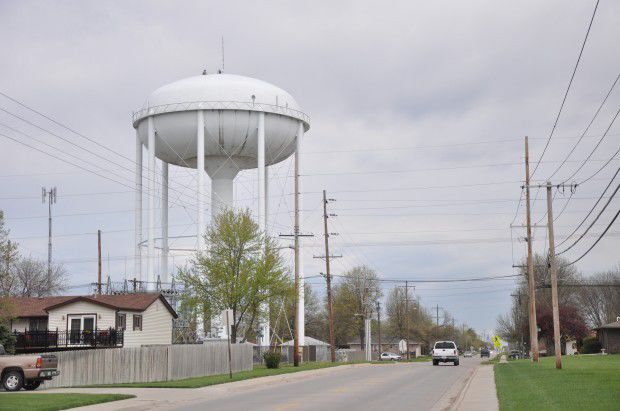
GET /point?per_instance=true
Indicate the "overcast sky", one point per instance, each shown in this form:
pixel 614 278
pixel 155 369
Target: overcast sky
pixel 418 112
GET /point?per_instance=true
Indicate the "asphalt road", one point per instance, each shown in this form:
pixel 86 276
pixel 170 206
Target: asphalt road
pixel 419 386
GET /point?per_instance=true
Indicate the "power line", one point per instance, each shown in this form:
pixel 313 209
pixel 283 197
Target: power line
pixel 425 146
pixel 587 128
pixel 593 207
pixel 572 77
pixel 594 221
pixel 597 240
pixel 584 162
pixel 434 280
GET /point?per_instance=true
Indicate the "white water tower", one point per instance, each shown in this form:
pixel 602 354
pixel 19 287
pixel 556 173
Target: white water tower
pixel 219 124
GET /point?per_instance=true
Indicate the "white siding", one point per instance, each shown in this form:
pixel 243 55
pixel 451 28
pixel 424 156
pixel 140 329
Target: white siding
pixel 20 324
pixel 106 317
pixel 156 326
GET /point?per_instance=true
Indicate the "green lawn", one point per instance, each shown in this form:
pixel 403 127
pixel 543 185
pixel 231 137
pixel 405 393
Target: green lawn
pixel 584 382
pixel 259 371
pixel 52 402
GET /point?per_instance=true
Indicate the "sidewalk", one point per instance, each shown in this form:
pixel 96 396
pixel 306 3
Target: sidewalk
pixel 480 393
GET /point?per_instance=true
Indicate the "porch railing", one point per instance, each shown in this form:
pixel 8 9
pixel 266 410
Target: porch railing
pixel 66 340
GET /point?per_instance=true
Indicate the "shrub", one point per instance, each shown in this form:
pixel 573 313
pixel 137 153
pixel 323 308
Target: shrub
pixel 272 359
pixel 590 345
pixel 7 339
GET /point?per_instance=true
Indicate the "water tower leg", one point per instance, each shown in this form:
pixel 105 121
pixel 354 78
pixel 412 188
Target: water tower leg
pixel 138 211
pixel 262 213
pixel 301 317
pixel 164 222
pixel 150 263
pixel 261 171
pixel 200 169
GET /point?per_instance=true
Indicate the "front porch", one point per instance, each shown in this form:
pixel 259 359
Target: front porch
pixel 37 341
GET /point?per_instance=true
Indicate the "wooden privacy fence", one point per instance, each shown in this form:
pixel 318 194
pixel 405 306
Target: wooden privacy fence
pixel 146 364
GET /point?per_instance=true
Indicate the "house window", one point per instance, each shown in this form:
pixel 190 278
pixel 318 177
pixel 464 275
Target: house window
pixel 137 322
pixel 121 321
pixel 37 324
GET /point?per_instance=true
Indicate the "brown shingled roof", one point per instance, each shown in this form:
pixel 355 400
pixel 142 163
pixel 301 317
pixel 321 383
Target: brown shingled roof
pixel 39 307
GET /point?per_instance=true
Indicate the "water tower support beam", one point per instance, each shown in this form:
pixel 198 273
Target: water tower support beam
pixel 164 223
pixel 200 169
pixel 301 318
pixel 261 171
pixel 150 263
pixel 138 211
pixel 262 207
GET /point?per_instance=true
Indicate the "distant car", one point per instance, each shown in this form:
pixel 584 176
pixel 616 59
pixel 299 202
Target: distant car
pixel 484 352
pixel 468 354
pixel 445 351
pixel 391 356
pixel 515 354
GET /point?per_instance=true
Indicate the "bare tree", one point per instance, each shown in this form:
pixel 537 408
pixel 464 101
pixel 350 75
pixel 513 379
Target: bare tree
pixel 600 304
pixel 8 256
pixel 29 278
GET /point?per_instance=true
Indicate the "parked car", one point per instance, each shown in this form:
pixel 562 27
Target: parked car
pixel 484 352
pixel 26 371
pixel 468 354
pixel 445 351
pixel 391 356
pixel 515 354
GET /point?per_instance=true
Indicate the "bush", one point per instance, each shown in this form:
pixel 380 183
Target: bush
pixel 7 339
pixel 590 345
pixel 272 359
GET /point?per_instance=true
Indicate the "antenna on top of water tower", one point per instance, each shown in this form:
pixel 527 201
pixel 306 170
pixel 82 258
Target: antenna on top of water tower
pixel 223 60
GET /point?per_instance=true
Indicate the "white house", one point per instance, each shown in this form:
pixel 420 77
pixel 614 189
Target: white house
pixel 127 320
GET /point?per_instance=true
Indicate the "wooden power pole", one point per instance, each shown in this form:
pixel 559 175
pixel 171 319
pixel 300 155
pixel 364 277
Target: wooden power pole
pixel 328 279
pixel 554 281
pixel 99 262
pixel 531 290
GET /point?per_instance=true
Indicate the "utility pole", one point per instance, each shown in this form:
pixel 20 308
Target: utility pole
pixel 51 199
pixel 99 262
pixel 328 279
pixel 437 318
pixel 530 264
pixel 554 281
pixel 379 327
pixel 407 316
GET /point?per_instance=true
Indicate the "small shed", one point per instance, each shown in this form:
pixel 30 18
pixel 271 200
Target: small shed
pixel 609 336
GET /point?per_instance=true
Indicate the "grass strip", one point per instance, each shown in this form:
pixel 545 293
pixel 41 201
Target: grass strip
pixel 584 382
pixel 257 372
pixel 53 402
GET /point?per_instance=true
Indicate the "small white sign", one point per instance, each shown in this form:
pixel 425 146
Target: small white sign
pixel 227 317
pixel 402 346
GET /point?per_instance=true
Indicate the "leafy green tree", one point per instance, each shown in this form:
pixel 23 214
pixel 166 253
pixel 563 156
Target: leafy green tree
pixel 241 269
pixel 354 297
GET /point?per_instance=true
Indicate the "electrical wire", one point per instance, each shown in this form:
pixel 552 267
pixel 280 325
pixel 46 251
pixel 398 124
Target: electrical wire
pixel 597 240
pixel 592 209
pixel 586 130
pixel 570 83
pixel 584 162
pixel 594 221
